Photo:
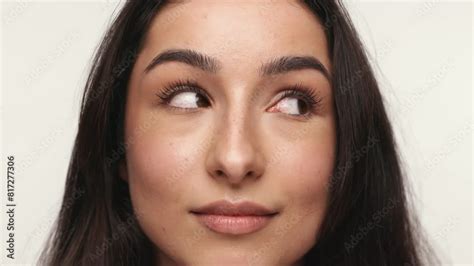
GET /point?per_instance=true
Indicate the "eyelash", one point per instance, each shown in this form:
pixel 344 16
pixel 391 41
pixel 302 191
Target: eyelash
pixel 173 88
pixel 309 95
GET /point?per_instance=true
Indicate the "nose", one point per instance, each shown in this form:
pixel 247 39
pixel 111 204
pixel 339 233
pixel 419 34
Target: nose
pixel 235 154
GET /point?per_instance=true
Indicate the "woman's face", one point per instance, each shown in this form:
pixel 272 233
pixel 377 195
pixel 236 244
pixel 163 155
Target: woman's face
pixel 240 136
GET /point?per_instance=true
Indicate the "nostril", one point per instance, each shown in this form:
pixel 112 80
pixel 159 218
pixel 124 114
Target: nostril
pixel 220 173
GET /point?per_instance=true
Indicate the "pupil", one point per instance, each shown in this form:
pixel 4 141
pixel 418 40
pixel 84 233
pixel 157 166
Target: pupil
pixel 201 102
pixel 303 108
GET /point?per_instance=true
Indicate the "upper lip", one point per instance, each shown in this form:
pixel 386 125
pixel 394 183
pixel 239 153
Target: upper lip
pixel 224 207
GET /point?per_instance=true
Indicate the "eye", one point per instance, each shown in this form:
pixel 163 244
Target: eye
pixel 188 99
pixel 298 101
pixel 292 106
pixel 186 95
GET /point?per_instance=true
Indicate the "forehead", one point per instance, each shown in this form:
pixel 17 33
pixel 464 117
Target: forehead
pixel 238 33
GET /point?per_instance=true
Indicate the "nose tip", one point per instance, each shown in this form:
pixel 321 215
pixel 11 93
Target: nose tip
pixel 237 168
pixel 235 158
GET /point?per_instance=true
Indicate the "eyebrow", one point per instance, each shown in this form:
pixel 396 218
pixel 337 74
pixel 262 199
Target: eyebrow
pixel 210 64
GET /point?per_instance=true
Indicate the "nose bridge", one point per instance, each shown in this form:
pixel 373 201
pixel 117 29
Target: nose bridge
pixel 235 154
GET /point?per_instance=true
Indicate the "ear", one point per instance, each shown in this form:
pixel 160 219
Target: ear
pixel 122 170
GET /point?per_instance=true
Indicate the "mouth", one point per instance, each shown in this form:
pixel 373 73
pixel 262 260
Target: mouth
pixel 234 219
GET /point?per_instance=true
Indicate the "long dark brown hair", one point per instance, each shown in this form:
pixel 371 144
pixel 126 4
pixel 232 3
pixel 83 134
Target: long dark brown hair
pixel 368 220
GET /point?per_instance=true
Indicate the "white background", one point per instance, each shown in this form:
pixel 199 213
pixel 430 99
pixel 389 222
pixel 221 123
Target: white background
pixel 421 51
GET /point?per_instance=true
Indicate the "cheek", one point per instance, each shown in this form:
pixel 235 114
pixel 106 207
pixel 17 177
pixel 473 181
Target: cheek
pixel 306 163
pixel 157 157
pixel 156 163
pixel 304 176
pixel 161 166
pixel 309 169
pixel 150 162
pixel 307 173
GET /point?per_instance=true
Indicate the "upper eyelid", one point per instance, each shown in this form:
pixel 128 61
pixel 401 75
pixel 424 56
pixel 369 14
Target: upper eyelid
pixel 179 86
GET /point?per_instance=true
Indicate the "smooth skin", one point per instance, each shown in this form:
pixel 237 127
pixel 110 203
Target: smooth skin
pixel 246 144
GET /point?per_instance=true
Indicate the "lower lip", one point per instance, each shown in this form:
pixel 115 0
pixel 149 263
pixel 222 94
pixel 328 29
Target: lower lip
pixel 234 225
